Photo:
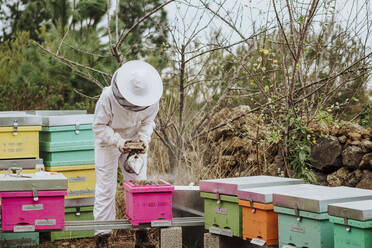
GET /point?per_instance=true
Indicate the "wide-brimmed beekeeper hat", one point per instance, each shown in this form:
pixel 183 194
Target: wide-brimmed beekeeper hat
pixel 139 83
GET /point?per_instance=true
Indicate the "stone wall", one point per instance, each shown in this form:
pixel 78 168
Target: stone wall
pixel 344 156
pixel 342 153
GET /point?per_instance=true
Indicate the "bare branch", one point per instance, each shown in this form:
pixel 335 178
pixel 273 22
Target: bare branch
pixel 82 94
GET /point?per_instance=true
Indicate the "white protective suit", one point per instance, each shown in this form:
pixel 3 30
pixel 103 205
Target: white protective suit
pixel 111 123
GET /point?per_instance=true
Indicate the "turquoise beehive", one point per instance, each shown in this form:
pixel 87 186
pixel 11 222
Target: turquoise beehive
pixel 303 219
pixel 66 139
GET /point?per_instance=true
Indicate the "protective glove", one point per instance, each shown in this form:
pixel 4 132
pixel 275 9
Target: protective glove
pixel 121 145
pixel 145 145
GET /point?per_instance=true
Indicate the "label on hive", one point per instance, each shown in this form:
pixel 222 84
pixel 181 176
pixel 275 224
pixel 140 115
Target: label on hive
pixel 158 223
pixel 80 192
pixel 32 207
pixel 45 222
pixel 221 210
pixel 77 179
pixel 12 147
pixel 258 242
pixel 26 228
pixel 296 228
pixel 216 230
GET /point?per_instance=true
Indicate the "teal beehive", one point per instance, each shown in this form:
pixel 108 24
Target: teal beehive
pixel 66 140
pixel 303 219
pixel 352 224
pixel 11 239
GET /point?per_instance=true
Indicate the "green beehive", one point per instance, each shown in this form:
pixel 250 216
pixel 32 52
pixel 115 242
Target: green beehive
pixel 352 224
pixel 76 157
pixel 66 139
pixel 75 214
pixel 19 239
pixel 303 219
pixel 222 213
pixel 304 229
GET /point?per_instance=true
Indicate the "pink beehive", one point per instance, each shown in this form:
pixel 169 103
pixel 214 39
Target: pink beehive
pixel 20 211
pixel 146 203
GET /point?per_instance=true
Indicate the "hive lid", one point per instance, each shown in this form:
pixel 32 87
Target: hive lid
pixel 56 112
pixel 356 210
pixel 314 198
pixel 19 119
pixel 22 163
pixel 35 181
pixel 265 194
pixel 230 186
pixel 67 120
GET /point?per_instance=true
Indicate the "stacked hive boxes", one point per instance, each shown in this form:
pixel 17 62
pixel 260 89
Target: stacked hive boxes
pixel 67 146
pixel 19 148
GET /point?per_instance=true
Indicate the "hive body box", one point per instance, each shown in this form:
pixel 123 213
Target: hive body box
pixel 303 213
pixel 147 203
pixel 32 201
pixel 259 219
pixel 81 180
pixel 27 165
pixel 352 224
pixel 19 239
pixel 67 140
pixel 75 214
pixel 19 136
pixel 222 213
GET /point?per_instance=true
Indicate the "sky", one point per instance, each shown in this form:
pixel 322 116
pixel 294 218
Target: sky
pixel 257 12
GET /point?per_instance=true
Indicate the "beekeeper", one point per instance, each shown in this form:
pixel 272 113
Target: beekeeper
pixel 124 112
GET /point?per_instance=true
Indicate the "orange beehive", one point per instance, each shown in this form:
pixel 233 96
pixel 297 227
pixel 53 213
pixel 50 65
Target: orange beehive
pixel 259 221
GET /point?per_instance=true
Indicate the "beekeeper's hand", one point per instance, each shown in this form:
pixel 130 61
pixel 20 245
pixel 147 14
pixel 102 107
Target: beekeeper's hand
pixel 121 145
pixel 144 144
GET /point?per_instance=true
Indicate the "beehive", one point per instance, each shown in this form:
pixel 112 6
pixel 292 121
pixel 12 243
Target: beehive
pixel 11 239
pixel 222 213
pixel 75 214
pixel 32 202
pixel 81 180
pixel 147 203
pixel 19 136
pixel 352 224
pixel 67 140
pixel 303 219
pixel 259 219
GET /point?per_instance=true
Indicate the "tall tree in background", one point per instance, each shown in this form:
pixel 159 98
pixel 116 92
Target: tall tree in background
pixel 22 15
pixel 151 32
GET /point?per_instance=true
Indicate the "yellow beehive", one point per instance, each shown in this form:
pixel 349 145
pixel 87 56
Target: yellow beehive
pixel 81 180
pixel 19 135
pixel 22 142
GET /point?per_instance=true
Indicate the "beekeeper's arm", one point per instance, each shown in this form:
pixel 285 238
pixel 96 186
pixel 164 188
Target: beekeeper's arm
pixel 102 118
pixel 147 125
